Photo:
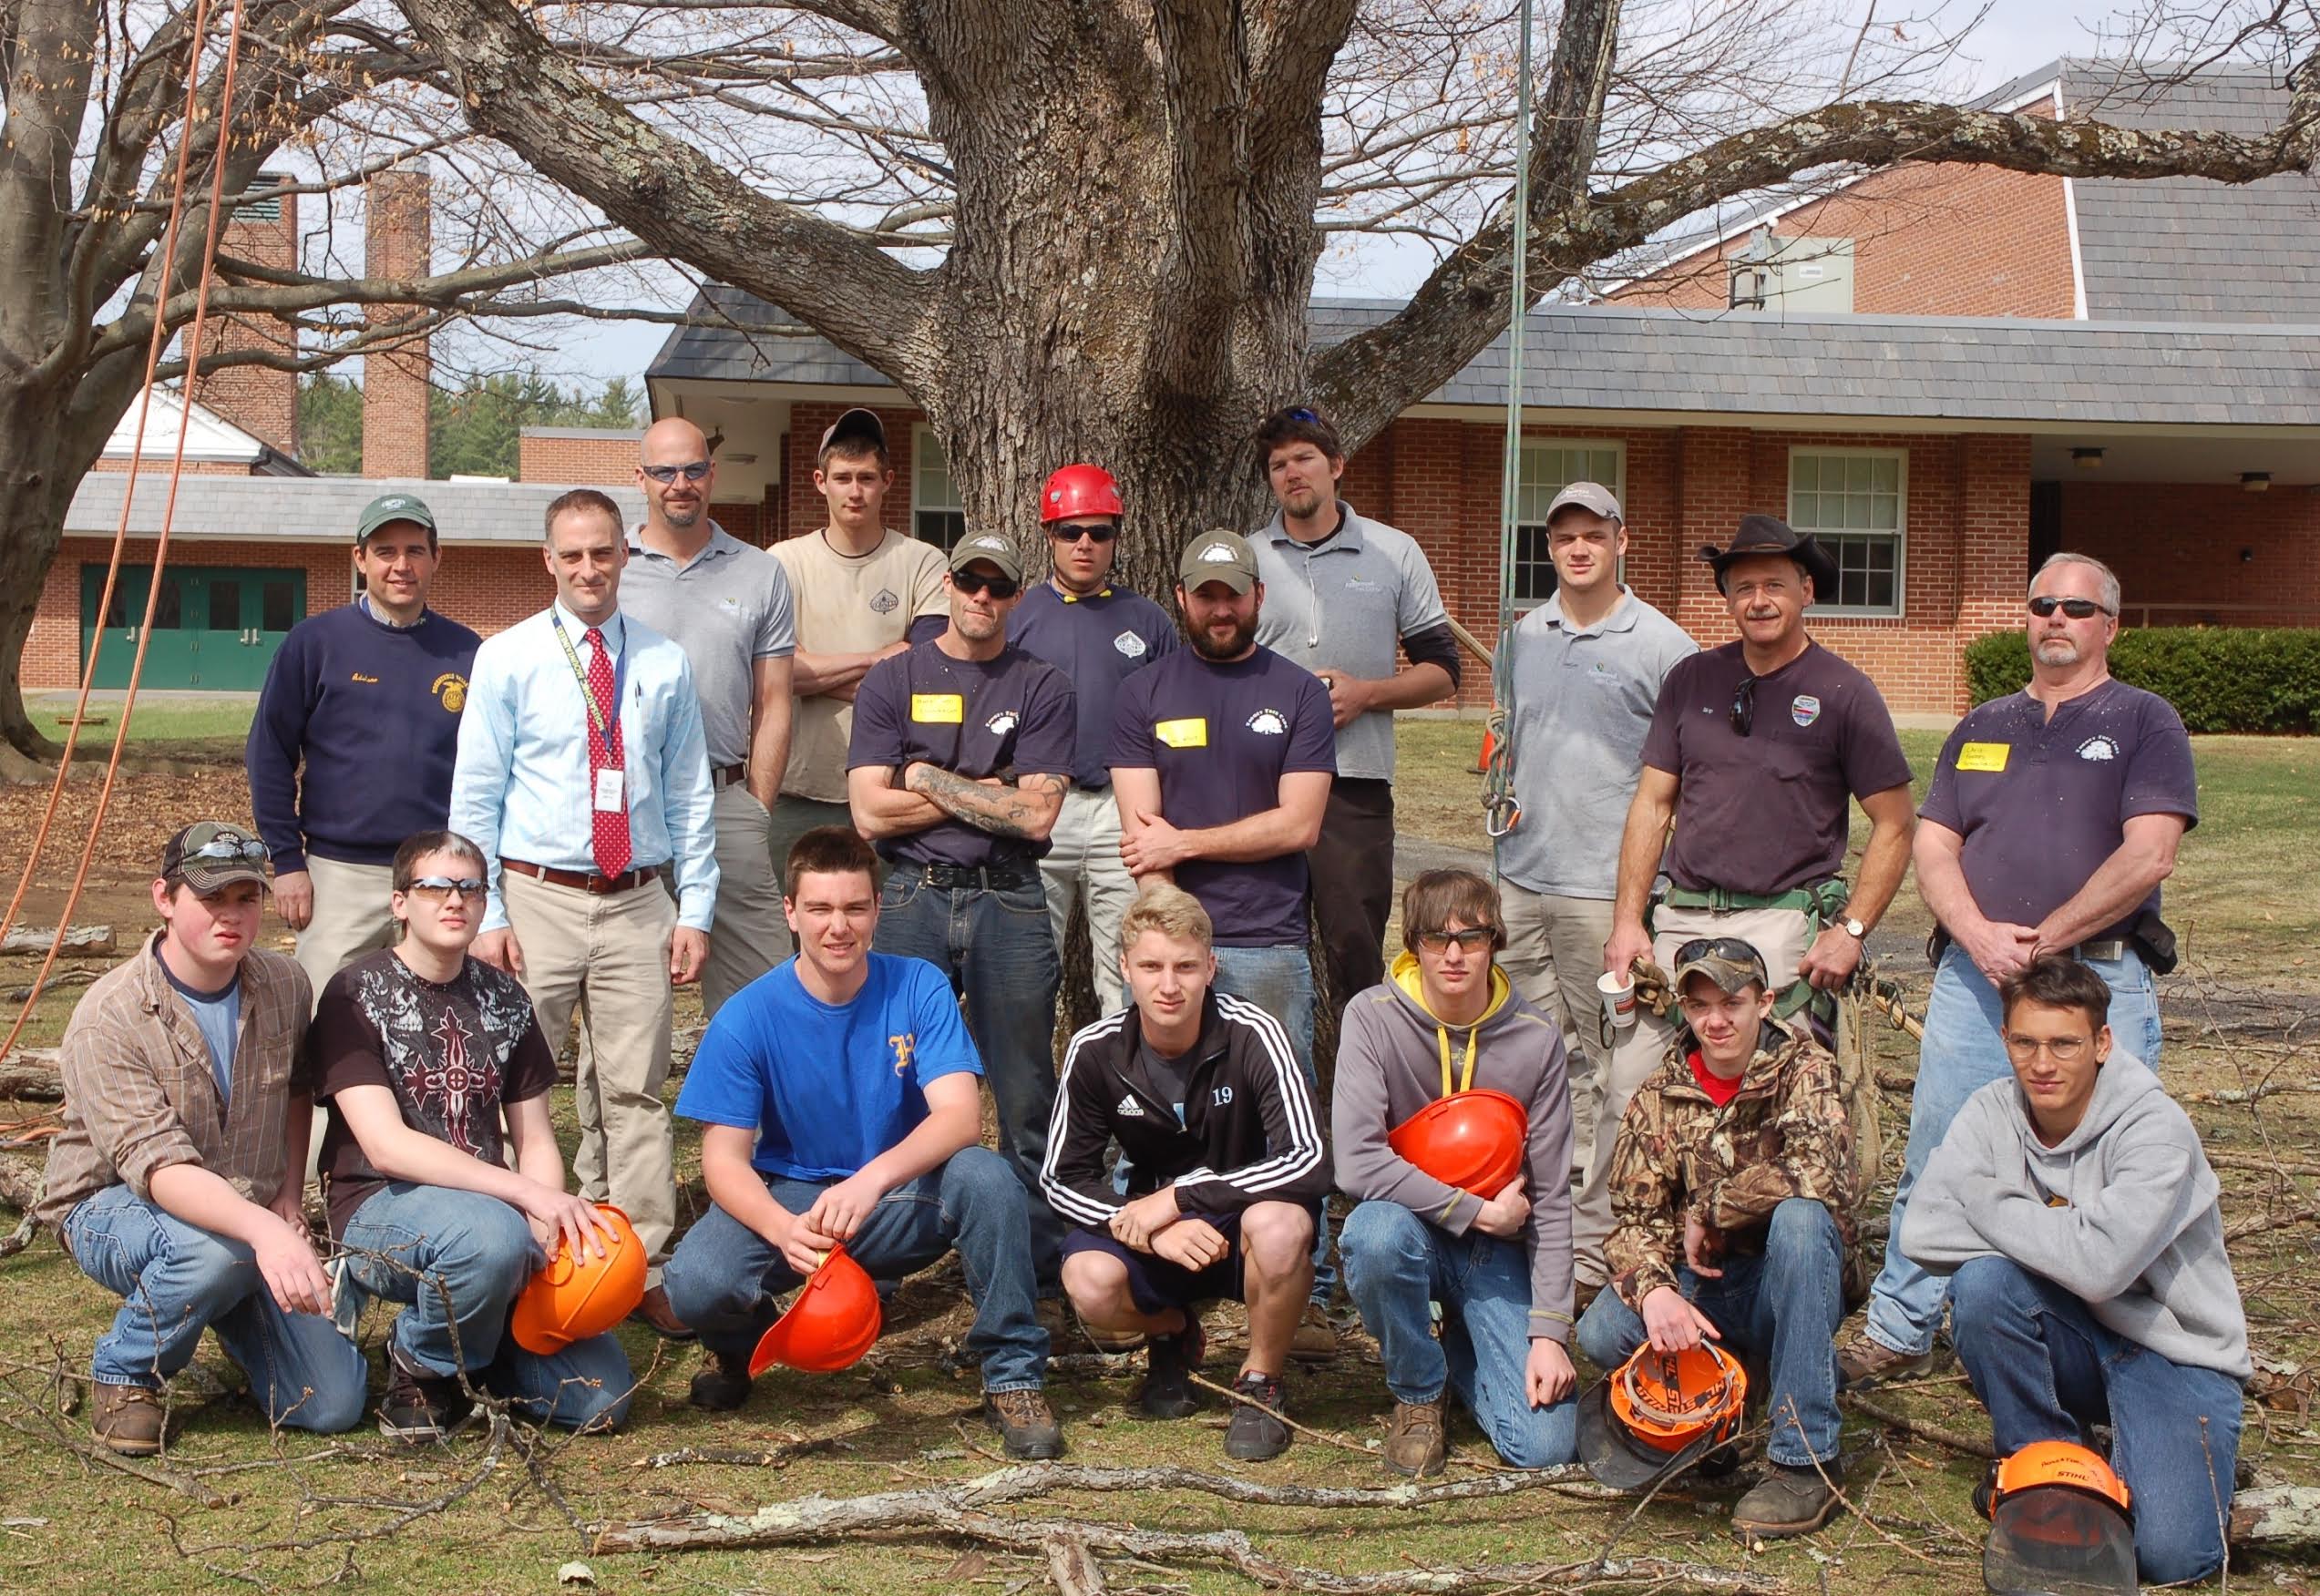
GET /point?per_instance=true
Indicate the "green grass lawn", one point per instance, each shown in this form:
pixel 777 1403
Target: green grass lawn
pixel 170 726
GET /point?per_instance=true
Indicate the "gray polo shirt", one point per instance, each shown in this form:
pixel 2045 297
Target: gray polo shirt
pixel 1580 702
pixel 727 609
pixel 1347 602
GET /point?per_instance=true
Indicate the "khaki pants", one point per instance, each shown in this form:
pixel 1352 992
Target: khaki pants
pixel 352 918
pixel 608 958
pixel 749 935
pixel 1553 953
pixel 1781 936
pixel 1083 862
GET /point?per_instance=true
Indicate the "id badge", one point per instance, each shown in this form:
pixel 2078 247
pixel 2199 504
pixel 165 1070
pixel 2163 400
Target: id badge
pixel 607 793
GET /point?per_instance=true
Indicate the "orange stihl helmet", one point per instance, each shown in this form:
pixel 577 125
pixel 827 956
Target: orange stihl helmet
pixel 1470 1139
pixel 1078 490
pixel 1659 1413
pixel 2060 1520
pixel 574 1298
pixel 829 1325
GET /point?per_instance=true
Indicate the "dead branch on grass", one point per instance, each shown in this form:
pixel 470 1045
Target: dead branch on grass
pixel 1956 1440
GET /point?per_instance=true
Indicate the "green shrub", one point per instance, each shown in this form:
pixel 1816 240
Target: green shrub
pixel 2220 678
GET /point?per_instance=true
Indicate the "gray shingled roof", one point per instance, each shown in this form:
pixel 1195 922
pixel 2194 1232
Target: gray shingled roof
pixel 2182 248
pixel 764 345
pixel 1618 358
pixel 318 507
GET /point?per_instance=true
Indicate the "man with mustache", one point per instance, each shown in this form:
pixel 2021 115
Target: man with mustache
pixel 2053 816
pixel 1753 750
pixel 1222 757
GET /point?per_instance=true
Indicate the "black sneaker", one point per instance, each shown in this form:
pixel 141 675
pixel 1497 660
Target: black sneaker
pixel 1170 1362
pixel 1255 1435
pixel 721 1384
pixel 1026 1425
pixel 417 1407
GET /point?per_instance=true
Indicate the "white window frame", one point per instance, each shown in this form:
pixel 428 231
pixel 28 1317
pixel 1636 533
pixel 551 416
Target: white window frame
pixel 925 445
pixel 1899 533
pixel 1618 486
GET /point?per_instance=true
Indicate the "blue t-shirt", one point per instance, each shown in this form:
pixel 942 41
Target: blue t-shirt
pixel 1221 737
pixel 219 1015
pixel 1097 642
pixel 829 1088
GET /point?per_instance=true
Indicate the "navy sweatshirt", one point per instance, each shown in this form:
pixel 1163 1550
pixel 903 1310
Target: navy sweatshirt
pixel 373 713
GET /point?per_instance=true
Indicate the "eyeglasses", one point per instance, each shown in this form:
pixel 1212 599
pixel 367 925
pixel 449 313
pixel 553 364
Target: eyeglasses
pixel 228 847
pixel 1725 947
pixel 444 888
pixel 1744 708
pixel 1472 939
pixel 2076 608
pixel 691 471
pixel 2062 1049
pixel 976 582
pixel 1102 532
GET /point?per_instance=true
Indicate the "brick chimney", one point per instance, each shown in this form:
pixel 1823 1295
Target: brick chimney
pixel 258 400
pixel 398 242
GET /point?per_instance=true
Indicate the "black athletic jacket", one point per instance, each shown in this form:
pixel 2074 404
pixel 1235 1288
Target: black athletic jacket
pixel 1249 1135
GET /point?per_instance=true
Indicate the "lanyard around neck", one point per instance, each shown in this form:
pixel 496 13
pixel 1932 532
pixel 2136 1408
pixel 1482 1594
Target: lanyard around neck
pixel 588 695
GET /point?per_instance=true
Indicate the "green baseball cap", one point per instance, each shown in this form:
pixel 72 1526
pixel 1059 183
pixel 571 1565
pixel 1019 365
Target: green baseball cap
pixel 393 506
pixel 1220 555
pixel 991 550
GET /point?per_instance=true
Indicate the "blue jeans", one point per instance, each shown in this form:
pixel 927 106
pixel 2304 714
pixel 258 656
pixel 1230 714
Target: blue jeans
pixel 457 1259
pixel 2047 1371
pixel 1780 1312
pixel 1279 980
pixel 999 951
pixel 177 1280
pixel 1395 1265
pixel 724 1277
pixel 1965 1050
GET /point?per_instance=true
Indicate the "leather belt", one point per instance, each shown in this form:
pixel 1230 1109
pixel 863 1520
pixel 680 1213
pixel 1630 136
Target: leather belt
pixel 600 885
pixel 723 776
pixel 2110 950
pixel 979 877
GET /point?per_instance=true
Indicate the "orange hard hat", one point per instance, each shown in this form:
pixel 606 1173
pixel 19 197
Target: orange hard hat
pixel 1078 490
pixel 1660 1411
pixel 572 1299
pixel 830 1323
pixel 1470 1139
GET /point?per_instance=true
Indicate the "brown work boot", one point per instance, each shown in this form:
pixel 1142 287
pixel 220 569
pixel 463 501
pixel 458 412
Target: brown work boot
pixel 1315 1339
pixel 655 1315
pixel 1026 1425
pixel 127 1419
pixel 1787 1501
pixel 1416 1445
pixel 1863 1362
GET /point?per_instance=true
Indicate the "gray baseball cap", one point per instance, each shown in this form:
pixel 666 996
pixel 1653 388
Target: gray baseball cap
pixel 209 856
pixel 390 507
pixel 990 548
pixel 1585 496
pixel 1220 556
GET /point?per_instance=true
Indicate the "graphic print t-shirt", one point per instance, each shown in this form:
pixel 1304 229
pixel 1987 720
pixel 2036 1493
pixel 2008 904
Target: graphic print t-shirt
pixel 452 1053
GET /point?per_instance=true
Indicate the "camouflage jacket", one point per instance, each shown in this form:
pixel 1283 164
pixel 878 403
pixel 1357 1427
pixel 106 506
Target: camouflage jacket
pixel 1784 1134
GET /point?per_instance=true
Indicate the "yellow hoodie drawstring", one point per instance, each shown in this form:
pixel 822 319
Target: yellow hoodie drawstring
pixel 1466 1079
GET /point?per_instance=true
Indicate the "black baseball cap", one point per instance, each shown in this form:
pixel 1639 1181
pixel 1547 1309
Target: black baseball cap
pixel 857 423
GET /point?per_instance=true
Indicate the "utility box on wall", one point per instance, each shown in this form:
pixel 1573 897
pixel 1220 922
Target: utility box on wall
pixel 1793 274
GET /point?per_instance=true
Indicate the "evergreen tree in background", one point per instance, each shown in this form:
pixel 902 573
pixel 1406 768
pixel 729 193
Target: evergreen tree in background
pixel 472 431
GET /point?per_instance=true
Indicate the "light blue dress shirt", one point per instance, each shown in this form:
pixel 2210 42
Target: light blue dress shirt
pixel 522 789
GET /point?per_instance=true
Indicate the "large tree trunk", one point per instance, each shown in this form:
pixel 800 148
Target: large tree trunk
pixel 40 466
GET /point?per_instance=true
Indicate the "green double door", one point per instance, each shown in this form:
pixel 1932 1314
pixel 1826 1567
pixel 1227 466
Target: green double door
pixel 214 627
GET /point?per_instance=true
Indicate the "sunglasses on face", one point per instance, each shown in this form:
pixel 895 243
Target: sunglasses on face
pixel 1301 412
pixel 976 582
pixel 693 471
pixel 1744 708
pixel 1102 532
pixel 1472 939
pixel 2076 608
pixel 443 888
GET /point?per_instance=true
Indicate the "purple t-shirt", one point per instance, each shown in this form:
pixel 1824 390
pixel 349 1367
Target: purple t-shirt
pixel 2042 802
pixel 1221 737
pixel 1765 813
pixel 1009 717
pixel 1097 642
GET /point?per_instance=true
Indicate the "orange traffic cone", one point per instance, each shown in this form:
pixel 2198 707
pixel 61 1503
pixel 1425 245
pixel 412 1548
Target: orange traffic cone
pixel 1489 746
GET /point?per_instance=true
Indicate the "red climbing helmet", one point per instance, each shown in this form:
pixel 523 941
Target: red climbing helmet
pixel 1078 490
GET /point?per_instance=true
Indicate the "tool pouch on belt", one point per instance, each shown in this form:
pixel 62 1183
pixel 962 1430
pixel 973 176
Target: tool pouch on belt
pixel 2155 942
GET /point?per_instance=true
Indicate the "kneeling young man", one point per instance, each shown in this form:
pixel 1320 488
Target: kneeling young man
pixel 419 1048
pixel 842 1101
pixel 1735 1200
pixel 1446 1019
pixel 2076 1216
pixel 1210 1106
pixel 177 1181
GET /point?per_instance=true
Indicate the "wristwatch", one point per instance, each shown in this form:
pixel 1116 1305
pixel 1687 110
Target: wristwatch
pixel 1853 928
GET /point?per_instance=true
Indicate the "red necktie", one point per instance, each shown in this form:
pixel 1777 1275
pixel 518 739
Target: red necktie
pixel 609 828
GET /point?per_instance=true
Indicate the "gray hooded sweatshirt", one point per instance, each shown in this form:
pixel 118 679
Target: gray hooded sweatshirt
pixel 1394 1057
pixel 2121 1214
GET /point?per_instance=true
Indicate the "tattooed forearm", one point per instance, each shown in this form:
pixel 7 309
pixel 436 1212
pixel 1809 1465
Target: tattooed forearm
pixel 1026 810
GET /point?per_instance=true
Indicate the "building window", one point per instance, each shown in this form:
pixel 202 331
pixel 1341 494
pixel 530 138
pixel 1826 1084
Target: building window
pixel 937 513
pixel 1550 466
pixel 1856 502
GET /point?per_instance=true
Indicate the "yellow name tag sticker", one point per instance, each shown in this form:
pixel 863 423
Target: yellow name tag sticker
pixel 940 708
pixel 1983 756
pixel 1188 734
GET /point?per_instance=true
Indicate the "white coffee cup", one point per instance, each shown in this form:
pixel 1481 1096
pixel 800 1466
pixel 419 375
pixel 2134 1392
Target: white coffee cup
pixel 1619 1000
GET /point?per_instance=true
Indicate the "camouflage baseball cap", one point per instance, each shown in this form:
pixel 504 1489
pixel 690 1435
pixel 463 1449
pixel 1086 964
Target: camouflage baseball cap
pixel 1728 961
pixel 209 856
pixel 1220 555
